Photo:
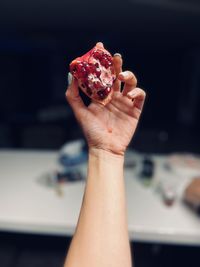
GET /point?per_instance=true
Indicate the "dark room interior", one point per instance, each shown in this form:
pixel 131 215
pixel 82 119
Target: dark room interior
pixel 159 41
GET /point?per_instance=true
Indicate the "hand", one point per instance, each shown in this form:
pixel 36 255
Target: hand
pixel 110 127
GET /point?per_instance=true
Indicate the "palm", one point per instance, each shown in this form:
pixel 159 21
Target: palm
pixel 111 127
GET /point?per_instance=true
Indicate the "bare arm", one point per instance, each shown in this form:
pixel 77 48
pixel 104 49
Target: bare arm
pixel 101 236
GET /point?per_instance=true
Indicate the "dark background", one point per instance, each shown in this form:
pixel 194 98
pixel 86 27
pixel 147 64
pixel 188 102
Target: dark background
pixel 159 41
pixel 50 251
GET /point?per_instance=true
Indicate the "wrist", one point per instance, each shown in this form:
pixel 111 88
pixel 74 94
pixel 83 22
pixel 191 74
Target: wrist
pixel 104 165
pixel 105 155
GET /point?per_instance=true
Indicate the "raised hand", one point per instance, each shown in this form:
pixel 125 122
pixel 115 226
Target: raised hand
pixel 110 127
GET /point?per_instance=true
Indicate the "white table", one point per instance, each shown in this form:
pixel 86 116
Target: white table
pixel 28 206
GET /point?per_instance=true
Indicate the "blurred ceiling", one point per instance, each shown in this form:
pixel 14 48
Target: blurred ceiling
pixel 170 19
pixel 187 5
pixel 80 13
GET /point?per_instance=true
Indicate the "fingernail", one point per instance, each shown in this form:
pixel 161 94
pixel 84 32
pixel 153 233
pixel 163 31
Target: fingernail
pixel 124 74
pixel 69 78
pixel 117 55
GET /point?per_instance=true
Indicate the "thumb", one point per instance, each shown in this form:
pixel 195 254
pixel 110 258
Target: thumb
pixel 73 97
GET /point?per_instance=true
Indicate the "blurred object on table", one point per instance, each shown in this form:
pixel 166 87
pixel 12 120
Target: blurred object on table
pixel 147 167
pixel 184 164
pixel 73 153
pixel 185 160
pixel 192 194
pixel 71 168
pixel 169 195
pixel 147 170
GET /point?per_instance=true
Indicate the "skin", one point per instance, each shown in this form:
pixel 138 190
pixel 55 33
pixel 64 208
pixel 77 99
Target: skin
pixel 192 192
pixel 101 236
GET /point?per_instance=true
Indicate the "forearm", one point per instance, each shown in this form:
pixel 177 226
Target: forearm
pixel 101 237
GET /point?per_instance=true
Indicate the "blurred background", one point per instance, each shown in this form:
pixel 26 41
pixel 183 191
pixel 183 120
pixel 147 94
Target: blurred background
pixel 159 41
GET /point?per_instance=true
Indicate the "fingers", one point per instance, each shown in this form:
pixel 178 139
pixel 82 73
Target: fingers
pixel 73 97
pixel 129 79
pixel 138 96
pixel 117 62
